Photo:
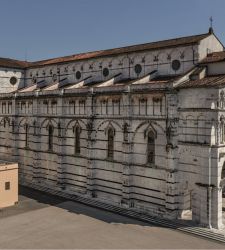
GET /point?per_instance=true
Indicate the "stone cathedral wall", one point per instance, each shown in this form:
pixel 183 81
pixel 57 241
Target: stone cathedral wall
pixel 186 124
pixel 127 178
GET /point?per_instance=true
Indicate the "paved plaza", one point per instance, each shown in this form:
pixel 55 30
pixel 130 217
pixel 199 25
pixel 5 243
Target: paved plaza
pixel 43 221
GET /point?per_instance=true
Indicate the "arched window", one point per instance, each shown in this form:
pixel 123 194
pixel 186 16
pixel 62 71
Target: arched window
pixel 151 148
pixel 50 137
pixel 110 150
pixel 77 140
pixel 26 135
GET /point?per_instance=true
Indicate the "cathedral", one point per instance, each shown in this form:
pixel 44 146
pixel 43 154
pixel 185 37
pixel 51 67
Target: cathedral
pixel 142 126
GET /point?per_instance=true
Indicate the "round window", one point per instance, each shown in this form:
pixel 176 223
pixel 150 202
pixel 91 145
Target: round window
pixel 138 69
pixel 105 72
pixel 54 78
pixel 176 65
pixel 13 80
pixel 78 75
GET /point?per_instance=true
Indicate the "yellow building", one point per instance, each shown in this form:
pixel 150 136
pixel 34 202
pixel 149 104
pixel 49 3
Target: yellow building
pixel 8 184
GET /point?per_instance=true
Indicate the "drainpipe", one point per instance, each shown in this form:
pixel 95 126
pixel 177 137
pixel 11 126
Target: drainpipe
pixel 209 192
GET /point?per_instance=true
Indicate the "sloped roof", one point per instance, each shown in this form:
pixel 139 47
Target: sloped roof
pixel 12 63
pixel 6 62
pixel 140 47
pixel 214 57
pixel 209 81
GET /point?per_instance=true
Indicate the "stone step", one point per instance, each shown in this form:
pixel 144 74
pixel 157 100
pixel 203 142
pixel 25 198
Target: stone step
pixel 202 232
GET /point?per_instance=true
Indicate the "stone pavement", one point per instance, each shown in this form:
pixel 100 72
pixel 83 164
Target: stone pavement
pixel 44 221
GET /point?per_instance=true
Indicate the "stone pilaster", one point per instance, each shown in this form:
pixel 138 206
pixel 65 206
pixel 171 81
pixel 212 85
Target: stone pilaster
pixel 90 103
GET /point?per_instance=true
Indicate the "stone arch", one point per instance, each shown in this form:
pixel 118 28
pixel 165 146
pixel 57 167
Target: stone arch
pixel 151 124
pixel 23 136
pixel 106 121
pixel 145 147
pixel 4 121
pixel 47 121
pixel 23 121
pixel 74 121
pixel 73 144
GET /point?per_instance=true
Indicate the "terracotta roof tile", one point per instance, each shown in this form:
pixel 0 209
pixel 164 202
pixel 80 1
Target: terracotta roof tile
pixel 141 47
pixel 209 81
pixel 214 57
pixel 11 63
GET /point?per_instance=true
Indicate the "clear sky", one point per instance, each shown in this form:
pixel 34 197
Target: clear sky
pixel 40 29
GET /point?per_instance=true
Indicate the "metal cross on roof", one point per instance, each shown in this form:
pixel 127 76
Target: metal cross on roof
pixel 211 22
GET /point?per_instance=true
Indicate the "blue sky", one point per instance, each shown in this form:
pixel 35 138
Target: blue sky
pixel 40 29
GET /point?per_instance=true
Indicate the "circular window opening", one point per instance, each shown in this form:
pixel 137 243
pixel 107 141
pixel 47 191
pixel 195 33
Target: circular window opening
pixel 54 78
pixel 137 69
pixel 78 75
pixel 13 80
pixel 105 72
pixel 176 65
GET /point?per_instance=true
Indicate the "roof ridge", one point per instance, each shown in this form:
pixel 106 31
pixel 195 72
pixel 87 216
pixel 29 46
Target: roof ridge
pixel 128 46
pixel 155 45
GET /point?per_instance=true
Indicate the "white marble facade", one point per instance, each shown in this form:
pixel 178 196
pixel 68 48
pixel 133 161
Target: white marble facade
pixel 126 134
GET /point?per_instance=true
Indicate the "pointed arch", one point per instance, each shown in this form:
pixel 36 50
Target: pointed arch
pixel 110 122
pixel 48 121
pixel 150 124
pixel 76 121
